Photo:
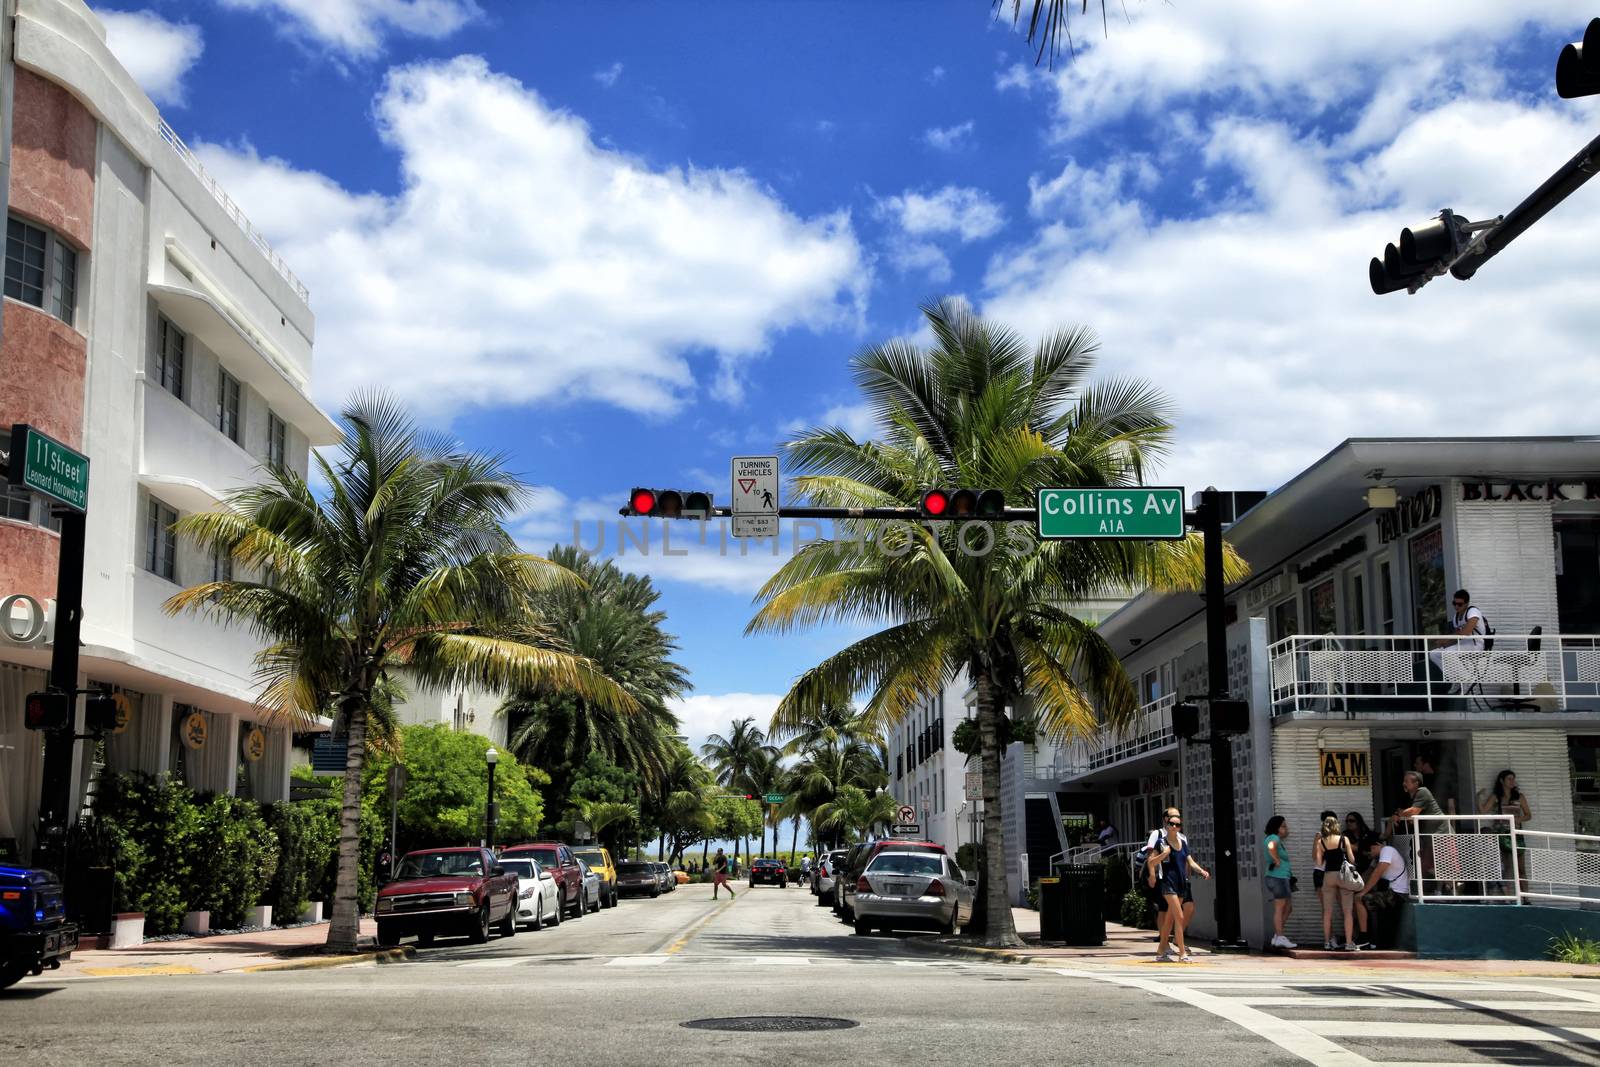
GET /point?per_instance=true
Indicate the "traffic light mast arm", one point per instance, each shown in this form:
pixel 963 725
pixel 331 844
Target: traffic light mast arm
pixel 908 514
pixel 1560 185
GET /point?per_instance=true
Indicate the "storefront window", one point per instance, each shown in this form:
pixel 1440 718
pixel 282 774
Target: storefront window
pixel 1584 754
pixel 1578 574
pixel 1386 597
pixel 1285 620
pixel 1428 605
pixel 1321 611
pixel 1356 602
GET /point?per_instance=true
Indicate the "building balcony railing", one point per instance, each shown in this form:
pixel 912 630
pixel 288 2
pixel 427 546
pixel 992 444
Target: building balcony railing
pixel 253 235
pixel 1151 730
pixel 1352 673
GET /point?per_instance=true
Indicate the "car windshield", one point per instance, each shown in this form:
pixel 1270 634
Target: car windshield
pixel 632 868
pixel 904 863
pixel 521 868
pixel 766 863
pixel 592 856
pixel 546 856
pixel 436 864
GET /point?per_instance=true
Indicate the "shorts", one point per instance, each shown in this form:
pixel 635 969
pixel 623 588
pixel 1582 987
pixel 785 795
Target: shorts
pixel 1278 888
pixel 1164 887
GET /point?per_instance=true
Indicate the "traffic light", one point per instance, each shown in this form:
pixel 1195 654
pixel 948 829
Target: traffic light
pixel 1230 717
pixel 1578 65
pixel 962 504
pixel 100 713
pixel 49 710
pixel 668 503
pixel 1424 253
pixel 1185 721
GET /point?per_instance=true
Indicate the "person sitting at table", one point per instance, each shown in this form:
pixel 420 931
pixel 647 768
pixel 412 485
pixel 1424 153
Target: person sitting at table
pixel 1467 626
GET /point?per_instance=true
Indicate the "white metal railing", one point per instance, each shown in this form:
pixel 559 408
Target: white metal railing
pixel 255 237
pixel 1151 729
pixel 1092 853
pixel 1488 859
pixel 1365 672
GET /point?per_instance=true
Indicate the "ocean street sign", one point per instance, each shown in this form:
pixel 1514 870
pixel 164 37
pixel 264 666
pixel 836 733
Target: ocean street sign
pixel 47 466
pixel 1139 513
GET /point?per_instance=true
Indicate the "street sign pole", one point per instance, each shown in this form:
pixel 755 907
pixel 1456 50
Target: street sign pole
pixel 55 792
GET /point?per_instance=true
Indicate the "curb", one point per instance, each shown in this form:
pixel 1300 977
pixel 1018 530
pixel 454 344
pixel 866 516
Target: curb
pixel 386 955
pixel 971 952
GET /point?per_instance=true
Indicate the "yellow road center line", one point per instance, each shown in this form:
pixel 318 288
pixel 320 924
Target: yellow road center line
pixel 145 968
pixel 695 928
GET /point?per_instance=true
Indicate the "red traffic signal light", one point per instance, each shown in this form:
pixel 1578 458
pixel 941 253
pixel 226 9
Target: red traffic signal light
pixel 668 504
pixel 50 710
pixel 963 504
pixel 935 502
pixel 642 501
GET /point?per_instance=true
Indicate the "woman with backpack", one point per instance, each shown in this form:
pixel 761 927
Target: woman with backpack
pixel 1333 855
pixel 1169 867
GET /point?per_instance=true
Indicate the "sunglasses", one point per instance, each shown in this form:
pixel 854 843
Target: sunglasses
pixel 1174 822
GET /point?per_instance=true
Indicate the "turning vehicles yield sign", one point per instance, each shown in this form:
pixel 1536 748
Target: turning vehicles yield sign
pixel 755 496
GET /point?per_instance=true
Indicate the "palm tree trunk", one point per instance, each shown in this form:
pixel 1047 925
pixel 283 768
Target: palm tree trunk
pixel 344 930
pixel 1001 930
pixel 794 840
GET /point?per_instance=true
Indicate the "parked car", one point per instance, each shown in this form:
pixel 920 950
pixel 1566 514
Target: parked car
pixel 636 876
pixel 849 873
pixel 681 877
pixel 912 890
pixel 769 872
pixel 538 896
pixel 826 876
pixel 559 860
pixel 593 891
pixel 34 932
pixel 664 872
pixel 599 859
pixel 445 891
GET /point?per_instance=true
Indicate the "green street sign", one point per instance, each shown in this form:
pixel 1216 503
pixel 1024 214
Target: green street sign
pixel 45 465
pixel 1139 513
pixel 774 798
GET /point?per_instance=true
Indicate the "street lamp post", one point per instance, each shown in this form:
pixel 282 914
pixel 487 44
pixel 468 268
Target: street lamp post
pixel 491 757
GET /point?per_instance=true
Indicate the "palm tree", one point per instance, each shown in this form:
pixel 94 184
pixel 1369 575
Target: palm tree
pixel 603 815
pixel 976 409
pixel 610 619
pixel 734 757
pixel 767 776
pixel 1050 21
pixel 855 812
pixel 402 571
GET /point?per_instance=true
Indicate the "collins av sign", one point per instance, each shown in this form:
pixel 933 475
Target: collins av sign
pixel 1141 513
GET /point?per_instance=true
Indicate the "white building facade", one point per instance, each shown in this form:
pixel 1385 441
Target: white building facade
pixel 1329 639
pixel 148 325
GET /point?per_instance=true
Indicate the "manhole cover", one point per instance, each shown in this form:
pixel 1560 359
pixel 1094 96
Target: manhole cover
pixel 771 1024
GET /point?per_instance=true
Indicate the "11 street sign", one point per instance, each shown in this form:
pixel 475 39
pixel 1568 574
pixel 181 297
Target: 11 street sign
pixel 1140 513
pixel 47 466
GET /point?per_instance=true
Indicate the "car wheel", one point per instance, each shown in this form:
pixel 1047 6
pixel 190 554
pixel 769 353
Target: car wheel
pixel 863 928
pixel 508 925
pixel 605 901
pixel 480 928
pixel 949 928
pixel 616 898
pixel 388 936
pixel 538 914
pixel 655 892
pixel 12 973
pixel 577 905
pixel 555 916
pixel 596 905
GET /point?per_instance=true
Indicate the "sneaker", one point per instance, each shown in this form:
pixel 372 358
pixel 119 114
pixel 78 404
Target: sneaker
pixel 1330 945
pixel 1289 944
pixel 1185 958
pixel 1165 957
pixel 1365 944
pixel 1351 946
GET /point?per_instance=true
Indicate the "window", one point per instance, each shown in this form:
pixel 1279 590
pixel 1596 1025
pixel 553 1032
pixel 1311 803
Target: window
pixel 1285 620
pixel 1428 597
pixel 161 543
pixel 1150 687
pixel 228 405
pixel 221 565
pixel 1386 597
pixel 1321 611
pixel 41 269
pixel 277 441
pixel 1356 604
pixel 171 346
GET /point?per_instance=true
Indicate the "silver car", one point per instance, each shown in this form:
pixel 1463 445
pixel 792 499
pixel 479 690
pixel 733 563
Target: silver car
pixel 913 890
pixel 591 887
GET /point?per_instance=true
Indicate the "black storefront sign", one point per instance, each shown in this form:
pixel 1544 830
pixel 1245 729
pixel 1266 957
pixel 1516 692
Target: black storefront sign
pixel 1412 513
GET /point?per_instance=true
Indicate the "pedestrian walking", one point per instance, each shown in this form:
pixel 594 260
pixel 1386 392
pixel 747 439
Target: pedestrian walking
pixel 1333 853
pixel 1170 868
pixel 719 875
pixel 1280 890
pixel 1148 874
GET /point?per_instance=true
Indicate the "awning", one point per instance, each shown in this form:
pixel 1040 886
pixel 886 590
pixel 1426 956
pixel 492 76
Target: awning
pixel 197 314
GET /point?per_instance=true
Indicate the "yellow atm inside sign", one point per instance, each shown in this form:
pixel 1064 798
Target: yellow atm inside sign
pixel 1345 768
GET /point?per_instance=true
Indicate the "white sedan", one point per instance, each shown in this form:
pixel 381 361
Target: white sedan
pixel 538 898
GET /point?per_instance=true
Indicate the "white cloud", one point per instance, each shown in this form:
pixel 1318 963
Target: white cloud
pixel 936 75
pixel 965 213
pixel 703 714
pixel 156 52
pixel 358 27
pixel 1257 319
pixel 523 262
pixel 949 138
pixel 607 76
pixel 1302 56
pixel 855 419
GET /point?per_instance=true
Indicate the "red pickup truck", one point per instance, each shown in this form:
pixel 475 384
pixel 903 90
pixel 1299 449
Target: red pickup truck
pixel 444 891
pixel 560 862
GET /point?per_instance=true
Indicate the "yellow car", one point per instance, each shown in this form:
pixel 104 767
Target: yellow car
pixel 599 861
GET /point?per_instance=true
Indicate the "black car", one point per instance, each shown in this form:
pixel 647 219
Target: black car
pixel 636 877
pixel 769 872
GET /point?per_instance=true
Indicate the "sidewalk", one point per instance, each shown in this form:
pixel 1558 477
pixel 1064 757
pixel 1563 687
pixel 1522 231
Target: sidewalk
pixel 295 947
pixel 1126 946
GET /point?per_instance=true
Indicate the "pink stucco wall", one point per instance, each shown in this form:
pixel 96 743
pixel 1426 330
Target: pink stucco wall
pixel 52 158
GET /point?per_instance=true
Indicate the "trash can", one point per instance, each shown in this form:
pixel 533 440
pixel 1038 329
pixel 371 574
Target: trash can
pixel 1082 895
pixel 1052 910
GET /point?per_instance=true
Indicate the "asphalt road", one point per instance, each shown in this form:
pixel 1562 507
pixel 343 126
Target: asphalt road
pixel 618 987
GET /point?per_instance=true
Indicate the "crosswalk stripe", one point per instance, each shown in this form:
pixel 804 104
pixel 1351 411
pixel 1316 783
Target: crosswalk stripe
pixel 1377 1028
pixel 1416 1004
pixel 498 964
pixel 637 961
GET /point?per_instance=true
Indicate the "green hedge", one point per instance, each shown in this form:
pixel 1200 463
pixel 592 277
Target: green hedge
pixel 1138 910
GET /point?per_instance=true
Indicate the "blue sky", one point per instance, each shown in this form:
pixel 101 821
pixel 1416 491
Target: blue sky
pixel 623 243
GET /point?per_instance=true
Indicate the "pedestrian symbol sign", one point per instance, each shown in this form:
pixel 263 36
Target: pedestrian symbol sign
pixel 755 496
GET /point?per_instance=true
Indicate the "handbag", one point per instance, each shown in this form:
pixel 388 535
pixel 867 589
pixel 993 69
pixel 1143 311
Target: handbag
pixel 1350 878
